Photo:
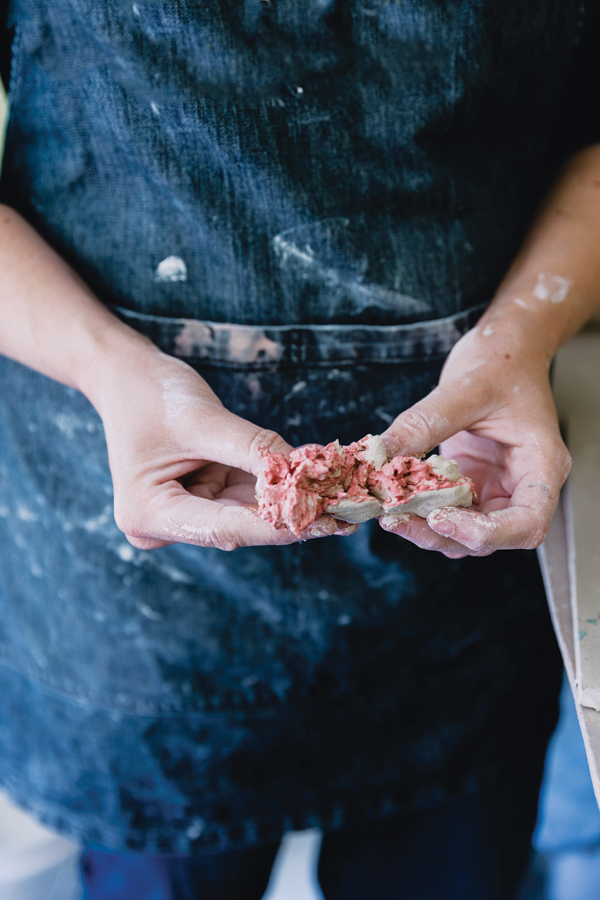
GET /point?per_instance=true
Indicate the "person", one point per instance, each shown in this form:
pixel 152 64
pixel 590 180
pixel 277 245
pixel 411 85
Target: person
pixel 229 227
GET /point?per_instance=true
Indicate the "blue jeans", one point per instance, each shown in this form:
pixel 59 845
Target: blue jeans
pixel 473 848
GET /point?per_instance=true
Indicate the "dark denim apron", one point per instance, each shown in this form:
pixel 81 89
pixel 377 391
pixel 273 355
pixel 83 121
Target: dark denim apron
pixel 309 202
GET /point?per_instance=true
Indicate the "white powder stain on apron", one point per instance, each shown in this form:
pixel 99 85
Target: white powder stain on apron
pixel 172 268
pixel 364 296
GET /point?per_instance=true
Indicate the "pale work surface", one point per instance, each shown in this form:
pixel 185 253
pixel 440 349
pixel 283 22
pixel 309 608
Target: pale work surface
pixel 570 556
pixel 577 391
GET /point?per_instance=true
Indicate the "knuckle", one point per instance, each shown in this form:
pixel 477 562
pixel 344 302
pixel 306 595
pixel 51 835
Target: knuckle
pixel 132 511
pixel 144 543
pixel 483 545
pixel 564 462
pixel 225 542
pixel 533 540
pixel 128 522
pixel 421 542
pixel 432 541
pixel 220 536
pixel 133 521
pixel 282 537
pixel 479 533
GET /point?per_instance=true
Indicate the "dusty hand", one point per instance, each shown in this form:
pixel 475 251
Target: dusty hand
pixel 493 412
pixel 183 466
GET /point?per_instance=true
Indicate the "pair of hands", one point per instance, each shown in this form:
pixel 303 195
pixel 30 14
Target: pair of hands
pixel 184 467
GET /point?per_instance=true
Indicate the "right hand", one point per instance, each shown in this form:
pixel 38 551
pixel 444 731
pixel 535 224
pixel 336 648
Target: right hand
pixel 494 414
pixel 183 466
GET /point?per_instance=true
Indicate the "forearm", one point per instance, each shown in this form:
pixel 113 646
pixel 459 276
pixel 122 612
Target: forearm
pixel 50 320
pixel 162 423
pixel 553 286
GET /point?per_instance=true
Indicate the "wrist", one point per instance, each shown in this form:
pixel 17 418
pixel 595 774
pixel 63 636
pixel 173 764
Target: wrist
pixel 517 324
pixel 115 354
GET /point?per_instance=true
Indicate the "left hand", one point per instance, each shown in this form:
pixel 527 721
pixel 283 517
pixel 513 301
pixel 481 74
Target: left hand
pixel 493 412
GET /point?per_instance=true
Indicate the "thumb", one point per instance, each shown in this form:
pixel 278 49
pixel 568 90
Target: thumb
pixel 226 438
pixel 440 415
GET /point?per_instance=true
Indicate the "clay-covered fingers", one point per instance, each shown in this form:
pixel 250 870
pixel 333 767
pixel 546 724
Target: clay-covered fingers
pixel 481 533
pixel 459 532
pixel 180 518
pixel 522 495
pixel 416 530
pixel 522 525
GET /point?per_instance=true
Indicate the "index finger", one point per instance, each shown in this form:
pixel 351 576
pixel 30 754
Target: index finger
pixel 207 523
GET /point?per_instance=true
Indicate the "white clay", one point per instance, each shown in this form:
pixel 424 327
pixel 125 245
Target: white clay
pixel 355 511
pixel 374 451
pixel 448 468
pixel 425 503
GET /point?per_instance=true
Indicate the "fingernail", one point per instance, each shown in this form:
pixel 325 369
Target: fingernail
pixel 398 524
pixel 441 522
pixel 346 528
pixel 391 444
pixel 319 530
